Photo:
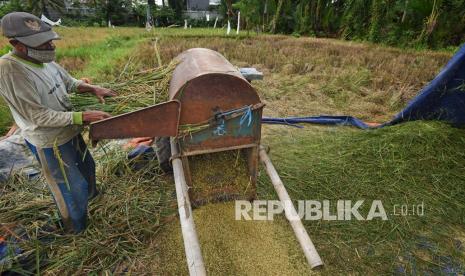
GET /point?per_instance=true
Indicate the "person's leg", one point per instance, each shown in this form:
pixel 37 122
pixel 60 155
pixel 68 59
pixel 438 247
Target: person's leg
pixel 86 165
pixel 69 190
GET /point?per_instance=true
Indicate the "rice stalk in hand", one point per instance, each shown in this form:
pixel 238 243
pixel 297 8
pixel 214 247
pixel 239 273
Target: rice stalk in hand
pixel 138 91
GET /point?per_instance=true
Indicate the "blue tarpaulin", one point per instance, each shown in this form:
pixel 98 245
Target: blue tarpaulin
pixel 319 120
pixel 442 99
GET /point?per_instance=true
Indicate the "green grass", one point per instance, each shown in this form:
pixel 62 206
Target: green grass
pixel 200 33
pixel 101 59
pixel 5 49
pixel 413 163
pixel 5 117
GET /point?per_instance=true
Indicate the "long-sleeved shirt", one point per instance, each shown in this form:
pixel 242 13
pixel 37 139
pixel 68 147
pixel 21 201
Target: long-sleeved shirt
pixel 37 95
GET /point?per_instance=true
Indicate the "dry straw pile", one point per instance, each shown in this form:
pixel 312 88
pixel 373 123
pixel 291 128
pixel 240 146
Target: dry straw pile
pixel 122 221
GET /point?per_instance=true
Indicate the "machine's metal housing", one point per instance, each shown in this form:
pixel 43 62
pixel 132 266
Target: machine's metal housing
pixel 206 90
pixel 210 89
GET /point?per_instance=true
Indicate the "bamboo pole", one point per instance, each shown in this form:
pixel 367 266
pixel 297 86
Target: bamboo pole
pixel 306 243
pixel 238 22
pixel 189 234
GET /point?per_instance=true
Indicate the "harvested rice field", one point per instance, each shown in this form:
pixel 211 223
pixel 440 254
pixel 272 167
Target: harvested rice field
pixel 134 226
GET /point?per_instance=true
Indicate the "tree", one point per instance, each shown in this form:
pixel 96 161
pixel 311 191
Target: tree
pixel 276 16
pixel 430 23
pixel 38 7
pixel 426 23
pixel 250 12
pixel 114 11
pixel 375 21
pixel 11 6
pixel 178 6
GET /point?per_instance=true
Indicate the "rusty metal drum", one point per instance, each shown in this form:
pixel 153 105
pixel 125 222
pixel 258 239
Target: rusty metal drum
pixel 206 84
pixel 203 81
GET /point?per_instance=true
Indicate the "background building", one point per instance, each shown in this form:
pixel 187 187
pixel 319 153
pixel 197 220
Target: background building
pixel 199 9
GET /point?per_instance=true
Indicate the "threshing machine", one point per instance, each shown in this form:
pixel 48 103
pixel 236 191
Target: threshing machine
pixel 212 108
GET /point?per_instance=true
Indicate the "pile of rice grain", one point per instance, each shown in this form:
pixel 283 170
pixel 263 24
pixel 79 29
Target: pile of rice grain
pixel 220 176
pixel 231 247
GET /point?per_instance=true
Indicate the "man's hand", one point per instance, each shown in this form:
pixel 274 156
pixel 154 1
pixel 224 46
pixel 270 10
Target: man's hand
pixel 101 93
pixel 98 91
pixel 93 116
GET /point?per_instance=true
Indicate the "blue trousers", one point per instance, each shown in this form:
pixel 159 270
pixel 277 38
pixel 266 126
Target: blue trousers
pixel 71 194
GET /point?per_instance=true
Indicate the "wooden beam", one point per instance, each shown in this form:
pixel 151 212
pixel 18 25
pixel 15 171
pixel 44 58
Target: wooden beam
pixel 306 243
pixel 191 242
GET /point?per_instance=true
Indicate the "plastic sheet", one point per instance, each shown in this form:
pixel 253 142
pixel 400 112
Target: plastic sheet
pixel 442 99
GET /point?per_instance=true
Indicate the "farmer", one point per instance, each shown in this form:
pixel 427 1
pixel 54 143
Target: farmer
pixel 36 91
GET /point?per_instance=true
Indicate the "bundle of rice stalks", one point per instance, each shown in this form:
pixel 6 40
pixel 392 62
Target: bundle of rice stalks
pixel 138 90
pixel 122 221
